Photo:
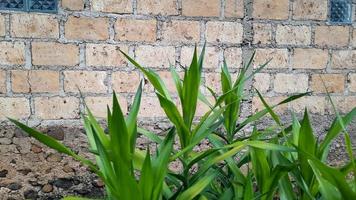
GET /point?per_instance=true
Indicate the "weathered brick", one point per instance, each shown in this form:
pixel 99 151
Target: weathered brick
pixel 155 56
pixel 150 107
pixel 85 81
pixel 279 58
pixel 56 107
pixel 205 8
pixel 124 82
pixel 257 104
pixel 344 104
pixel 262 33
pixel 335 83
pixel 262 82
pixel 224 32
pixel 135 30
pixel 234 8
pixel 86 28
pixel 97 105
pixel 314 104
pixel 293 35
pixel 233 57
pixel 309 58
pixel 112 6
pixel 310 9
pixel 73 5
pixel 352 85
pixel 181 31
pixel 12 53
pixel 35 81
pixel 353 40
pixel 105 55
pixel 2 25
pixel 213 81
pixel 2 82
pixel 51 53
pixel 271 9
pixel 34 26
pixel 291 83
pixel 155 7
pixel 332 36
pixel 344 59
pixel 17 108
pixel 211 59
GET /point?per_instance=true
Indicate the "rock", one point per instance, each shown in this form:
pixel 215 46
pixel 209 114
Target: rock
pixel 36 149
pixel 5 141
pixel 98 183
pixel 55 157
pixel 22 144
pixel 3 173
pixel 47 188
pixel 24 171
pixel 64 183
pixel 14 186
pixel 30 194
pixel 55 132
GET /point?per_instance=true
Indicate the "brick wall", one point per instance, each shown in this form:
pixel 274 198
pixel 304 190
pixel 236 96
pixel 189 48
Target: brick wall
pixel 45 58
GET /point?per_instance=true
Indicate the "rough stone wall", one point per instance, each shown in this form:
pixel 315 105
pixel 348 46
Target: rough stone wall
pixel 45 58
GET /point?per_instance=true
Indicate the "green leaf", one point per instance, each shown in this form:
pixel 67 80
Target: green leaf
pixel 197 188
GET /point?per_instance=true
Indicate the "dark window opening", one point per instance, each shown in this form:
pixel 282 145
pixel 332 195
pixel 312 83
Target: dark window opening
pixel 48 6
pixel 340 11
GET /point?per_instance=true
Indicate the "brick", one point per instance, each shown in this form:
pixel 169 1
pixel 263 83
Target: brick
pixel 34 26
pixel 224 32
pixel 353 41
pixel 181 31
pixel 2 25
pixel 343 59
pixel 56 107
pixel 293 35
pixel 262 33
pixel 213 80
pixel 98 105
pixel 234 8
pixel 86 81
pixel 309 58
pixel 291 83
pixel 17 108
pixel 271 9
pixel 150 107
pixel 211 58
pixel 204 8
pixel 233 57
pixel 279 58
pixel 332 36
pixel 314 104
pixel 124 82
pixel 105 55
pixel 73 5
pixel 352 85
pixel 262 82
pixel 257 104
pixel 155 56
pixel 2 82
pixel 86 28
pixel 35 81
pixel 112 6
pixel 310 9
pixel 335 83
pixel 12 53
pixel 135 30
pixel 156 7
pixel 166 77
pixel 344 104
pixel 51 53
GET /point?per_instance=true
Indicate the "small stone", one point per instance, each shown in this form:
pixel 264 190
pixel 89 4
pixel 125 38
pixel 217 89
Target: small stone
pixel 36 149
pixel 64 183
pixel 5 141
pixel 55 132
pixel 14 186
pixel 47 188
pixel 3 173
pixel 54 157
pixel 30 194
pixel 68 169
pixel 24 171
pixel 98 183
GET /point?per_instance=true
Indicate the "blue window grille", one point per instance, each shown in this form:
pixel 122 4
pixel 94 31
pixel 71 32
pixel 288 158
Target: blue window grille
pixel 340 11
pixel 47 6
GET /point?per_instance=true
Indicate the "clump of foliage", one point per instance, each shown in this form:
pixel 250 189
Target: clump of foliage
pixel 285 161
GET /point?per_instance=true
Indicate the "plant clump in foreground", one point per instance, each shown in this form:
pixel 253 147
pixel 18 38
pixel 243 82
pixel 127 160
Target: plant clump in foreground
pixel 284 161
